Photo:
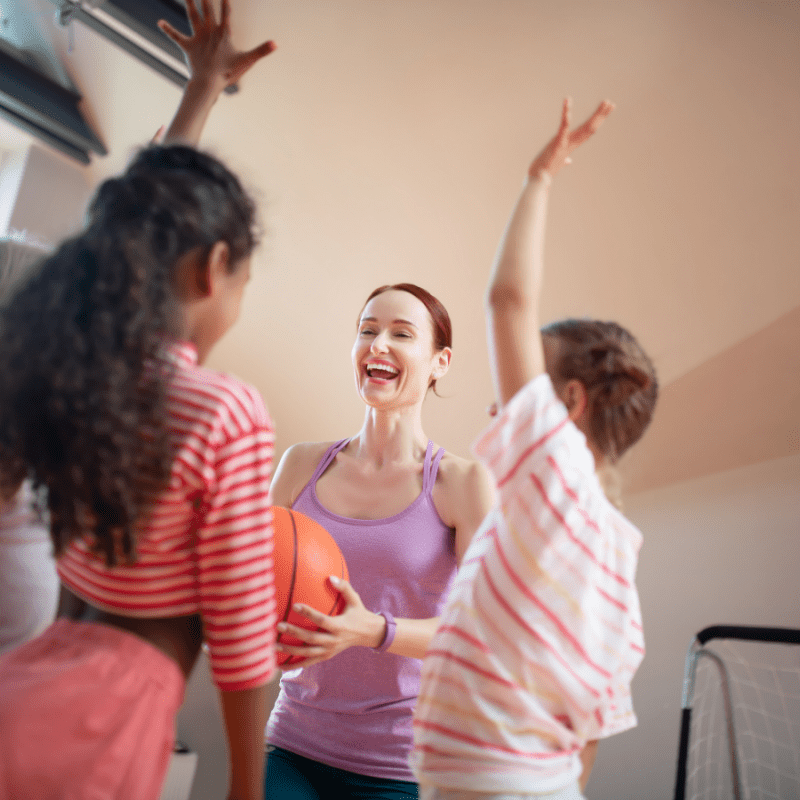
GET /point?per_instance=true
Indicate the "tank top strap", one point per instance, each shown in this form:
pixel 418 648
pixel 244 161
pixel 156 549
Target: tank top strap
pixel 431 468
pixel 325 461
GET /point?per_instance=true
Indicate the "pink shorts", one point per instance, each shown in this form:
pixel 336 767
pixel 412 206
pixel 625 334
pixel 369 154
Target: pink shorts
pixel 87 712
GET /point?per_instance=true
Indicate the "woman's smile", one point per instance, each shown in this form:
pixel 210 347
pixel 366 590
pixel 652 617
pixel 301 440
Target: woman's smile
pixel 381 371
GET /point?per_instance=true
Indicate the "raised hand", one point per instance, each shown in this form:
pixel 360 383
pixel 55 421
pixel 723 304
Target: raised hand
pixel 209 50
pixel 557 151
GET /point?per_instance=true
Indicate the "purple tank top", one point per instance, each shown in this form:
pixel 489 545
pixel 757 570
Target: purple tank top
pixel 354 711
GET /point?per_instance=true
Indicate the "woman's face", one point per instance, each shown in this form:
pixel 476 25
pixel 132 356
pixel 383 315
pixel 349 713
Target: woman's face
pixel 394 359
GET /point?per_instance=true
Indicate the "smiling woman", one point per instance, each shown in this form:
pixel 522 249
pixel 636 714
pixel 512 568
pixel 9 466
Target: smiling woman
pixel 402 511
pixel 442 328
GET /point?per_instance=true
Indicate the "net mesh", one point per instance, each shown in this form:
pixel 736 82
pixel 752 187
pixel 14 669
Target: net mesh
pixel 764 683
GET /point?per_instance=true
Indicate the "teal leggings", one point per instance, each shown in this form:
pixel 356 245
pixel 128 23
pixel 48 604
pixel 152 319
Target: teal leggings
pixel 292 777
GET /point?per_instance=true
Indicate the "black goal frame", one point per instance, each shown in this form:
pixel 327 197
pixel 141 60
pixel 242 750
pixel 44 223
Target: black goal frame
pixel 696 651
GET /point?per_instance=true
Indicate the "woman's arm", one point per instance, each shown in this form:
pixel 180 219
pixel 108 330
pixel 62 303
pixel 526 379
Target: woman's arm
pixel 512 297
pixel 214 64
pixel 356 626
pixel 463 496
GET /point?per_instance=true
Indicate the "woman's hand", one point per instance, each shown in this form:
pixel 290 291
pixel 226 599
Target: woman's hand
pixel 355 626
pixel 557 151
pixel 209 50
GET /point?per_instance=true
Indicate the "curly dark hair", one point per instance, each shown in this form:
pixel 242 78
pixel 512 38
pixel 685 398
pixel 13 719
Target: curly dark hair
pixel 620 380
pixel 82 402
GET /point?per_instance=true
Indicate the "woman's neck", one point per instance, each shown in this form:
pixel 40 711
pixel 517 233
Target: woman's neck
pixel 390 436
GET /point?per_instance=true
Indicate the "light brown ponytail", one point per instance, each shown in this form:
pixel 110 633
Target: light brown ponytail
pixel 619 378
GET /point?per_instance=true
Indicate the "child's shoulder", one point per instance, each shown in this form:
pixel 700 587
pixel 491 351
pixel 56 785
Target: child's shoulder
pixel 221 394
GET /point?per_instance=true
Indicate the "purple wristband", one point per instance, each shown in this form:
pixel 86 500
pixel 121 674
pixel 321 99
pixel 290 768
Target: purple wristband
pixel 391 629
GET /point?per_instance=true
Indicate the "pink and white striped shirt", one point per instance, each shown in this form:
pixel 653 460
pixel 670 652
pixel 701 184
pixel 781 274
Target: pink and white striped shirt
pixel 207 547
pixel 542 631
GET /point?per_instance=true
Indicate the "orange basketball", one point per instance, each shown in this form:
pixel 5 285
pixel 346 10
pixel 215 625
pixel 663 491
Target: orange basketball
pixel 305 555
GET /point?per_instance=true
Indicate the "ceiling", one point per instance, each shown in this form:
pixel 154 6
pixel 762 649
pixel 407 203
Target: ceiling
pixel 386 141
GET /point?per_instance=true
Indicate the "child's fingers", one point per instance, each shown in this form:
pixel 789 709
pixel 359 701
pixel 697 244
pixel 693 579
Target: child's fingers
pixel 583 132
pixel 195 20
pixel 173 34
pixel 208 12
pixel 257 53
pixel 225 14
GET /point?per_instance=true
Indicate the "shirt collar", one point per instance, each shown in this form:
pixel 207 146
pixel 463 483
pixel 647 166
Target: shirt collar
pixel 180 353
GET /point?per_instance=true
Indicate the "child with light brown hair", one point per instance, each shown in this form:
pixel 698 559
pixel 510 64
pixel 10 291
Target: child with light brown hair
pixel 542 633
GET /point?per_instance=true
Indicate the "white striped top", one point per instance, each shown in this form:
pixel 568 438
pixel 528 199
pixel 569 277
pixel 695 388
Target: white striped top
pixel 207 547
pixel 542 631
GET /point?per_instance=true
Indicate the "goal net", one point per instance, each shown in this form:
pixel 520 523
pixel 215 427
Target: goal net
pixel 740 731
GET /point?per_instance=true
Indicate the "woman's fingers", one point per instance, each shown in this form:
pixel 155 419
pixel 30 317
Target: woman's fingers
pixel 317 617
pixel 246 60
pixel 556 153
pixel 313 647
pixel 351 596
pixel 259 52
pixel 305 661
pixel 563 130
pixel 312 637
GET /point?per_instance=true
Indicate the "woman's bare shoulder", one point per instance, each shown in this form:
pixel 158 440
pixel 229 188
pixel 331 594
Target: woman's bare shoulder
pixel 463 495
pixel 294 471
pixel 456 471
pixel 463 484
pixel 304 451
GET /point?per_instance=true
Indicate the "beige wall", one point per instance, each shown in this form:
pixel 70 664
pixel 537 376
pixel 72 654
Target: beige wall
pixel 387 139
pixel 723 548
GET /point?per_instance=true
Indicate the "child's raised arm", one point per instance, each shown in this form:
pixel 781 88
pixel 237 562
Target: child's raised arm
pixel 512 297
pixel 214 63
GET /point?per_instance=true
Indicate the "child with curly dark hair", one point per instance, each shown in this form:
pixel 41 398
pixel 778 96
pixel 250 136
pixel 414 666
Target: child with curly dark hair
pixel 156 473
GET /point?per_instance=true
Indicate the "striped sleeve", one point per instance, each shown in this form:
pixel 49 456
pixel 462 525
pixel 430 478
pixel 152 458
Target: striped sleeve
pixel 234 552
pixel 530 425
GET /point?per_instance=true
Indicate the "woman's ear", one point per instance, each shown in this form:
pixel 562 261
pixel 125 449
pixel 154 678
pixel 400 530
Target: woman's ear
pixel 575 398
pixel 441 363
